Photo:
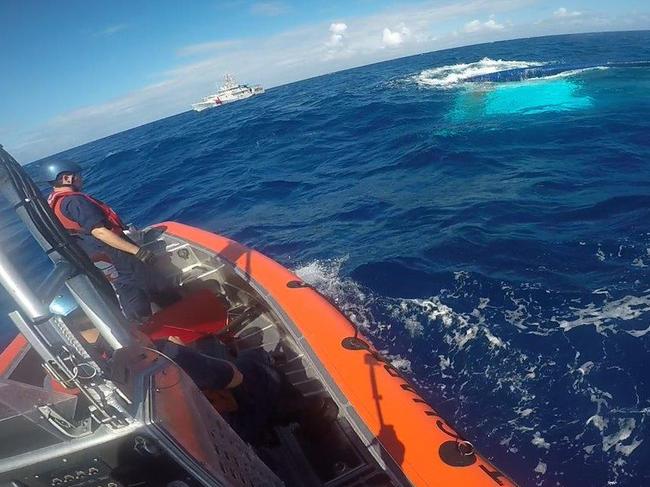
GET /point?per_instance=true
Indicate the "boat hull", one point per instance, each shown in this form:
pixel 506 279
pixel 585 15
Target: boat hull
pixel 391 417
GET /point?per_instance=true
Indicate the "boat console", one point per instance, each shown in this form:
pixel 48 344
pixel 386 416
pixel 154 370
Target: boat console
pixel 173 437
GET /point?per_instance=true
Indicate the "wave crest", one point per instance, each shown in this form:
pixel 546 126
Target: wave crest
pixel 457 73
pixel 498 71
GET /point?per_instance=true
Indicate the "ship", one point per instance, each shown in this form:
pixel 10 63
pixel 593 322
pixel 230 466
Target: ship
pixel 229 92
pixel 126 415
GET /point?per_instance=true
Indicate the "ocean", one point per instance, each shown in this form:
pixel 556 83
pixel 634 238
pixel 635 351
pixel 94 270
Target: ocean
pixel 481 212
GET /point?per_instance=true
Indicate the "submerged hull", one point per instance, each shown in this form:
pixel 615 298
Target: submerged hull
pixel 399 432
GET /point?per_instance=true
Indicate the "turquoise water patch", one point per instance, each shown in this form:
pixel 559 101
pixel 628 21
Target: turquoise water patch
pixel 536 97
pixel 526 98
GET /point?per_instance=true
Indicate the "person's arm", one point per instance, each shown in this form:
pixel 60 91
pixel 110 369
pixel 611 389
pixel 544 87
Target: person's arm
pixel 113 240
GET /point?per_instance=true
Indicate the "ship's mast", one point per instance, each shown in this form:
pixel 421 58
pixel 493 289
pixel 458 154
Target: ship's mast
pixel 228 82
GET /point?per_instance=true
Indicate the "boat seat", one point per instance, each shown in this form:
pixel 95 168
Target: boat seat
pixel 197 315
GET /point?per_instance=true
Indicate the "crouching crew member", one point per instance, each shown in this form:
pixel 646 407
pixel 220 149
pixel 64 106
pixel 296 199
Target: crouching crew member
pixel 99 231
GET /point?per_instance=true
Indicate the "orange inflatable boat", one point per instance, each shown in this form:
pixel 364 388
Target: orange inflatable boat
pixel 384 434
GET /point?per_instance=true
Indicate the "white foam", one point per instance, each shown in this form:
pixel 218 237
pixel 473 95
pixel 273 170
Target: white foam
pixel 625 309
pixel 399 362
pixel 321 273
pixel 325 275
pixel 463 328
pixel 626 450
pixel 413 325
pixel 539 441
pixel 638 333
pixel 435 310
pixel 626 425
pixel 540 468
pixel 493 340
pixel 574 72
pixel 456 73
pixel 525 412
pixel 518 316
pixel 598 421
pixel 444 362
pixel 585 368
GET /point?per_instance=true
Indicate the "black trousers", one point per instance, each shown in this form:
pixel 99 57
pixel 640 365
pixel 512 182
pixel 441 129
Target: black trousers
pixel 260 396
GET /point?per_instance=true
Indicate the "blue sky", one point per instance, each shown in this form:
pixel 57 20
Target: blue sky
pixel 75 71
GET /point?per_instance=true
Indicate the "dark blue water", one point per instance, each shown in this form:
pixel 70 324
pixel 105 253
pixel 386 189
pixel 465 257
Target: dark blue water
pixel 492 238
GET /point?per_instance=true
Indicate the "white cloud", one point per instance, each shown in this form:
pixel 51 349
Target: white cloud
pixel 335 40
pixel 473 26
pixel 493 25
pixel 111 29
pixel 476 26
pixel 394 38
pixel 269 9
pixel 338 27
pixel 562 13
pixel 337 33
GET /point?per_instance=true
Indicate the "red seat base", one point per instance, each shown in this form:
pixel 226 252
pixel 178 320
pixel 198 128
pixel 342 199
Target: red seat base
pixel 196 316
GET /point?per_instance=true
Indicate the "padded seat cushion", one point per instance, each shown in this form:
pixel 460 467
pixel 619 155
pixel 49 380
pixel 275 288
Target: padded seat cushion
pixel 195 316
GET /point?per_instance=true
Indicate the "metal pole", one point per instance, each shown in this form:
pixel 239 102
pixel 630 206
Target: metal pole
pixel 10 279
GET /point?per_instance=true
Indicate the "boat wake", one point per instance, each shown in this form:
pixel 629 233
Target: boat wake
pixel 501 71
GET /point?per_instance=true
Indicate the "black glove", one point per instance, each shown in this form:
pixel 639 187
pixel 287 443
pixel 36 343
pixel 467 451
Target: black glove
pixel 145 256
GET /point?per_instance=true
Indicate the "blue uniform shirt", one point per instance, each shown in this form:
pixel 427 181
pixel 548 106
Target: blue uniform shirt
pixel 82 211
pixel 89 216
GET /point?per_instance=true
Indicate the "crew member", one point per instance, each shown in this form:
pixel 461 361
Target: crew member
pixel 260 396
pixel 100 232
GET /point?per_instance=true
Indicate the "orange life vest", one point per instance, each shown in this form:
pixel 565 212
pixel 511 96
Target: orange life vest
pixel 55 199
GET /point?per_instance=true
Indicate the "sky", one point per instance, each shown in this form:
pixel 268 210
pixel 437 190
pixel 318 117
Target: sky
pixel 79 70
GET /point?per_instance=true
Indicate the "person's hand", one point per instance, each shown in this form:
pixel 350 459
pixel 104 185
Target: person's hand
pixel 144 255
